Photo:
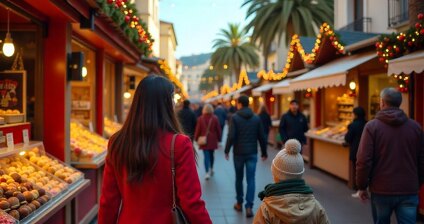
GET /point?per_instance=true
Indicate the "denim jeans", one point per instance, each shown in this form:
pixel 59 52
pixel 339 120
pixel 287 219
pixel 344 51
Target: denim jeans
pixel 404 206
pixel 209 159
pixel 240 161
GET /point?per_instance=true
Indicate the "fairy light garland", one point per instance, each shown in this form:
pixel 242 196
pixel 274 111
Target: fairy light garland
pixel 133 21
pixel 210 95
pixel 225 89
pixel 398 44
pixel 325 31
pixel 403 82
pixel 168 72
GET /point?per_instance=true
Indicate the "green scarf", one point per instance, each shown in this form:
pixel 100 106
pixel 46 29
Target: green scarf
pixel 292 186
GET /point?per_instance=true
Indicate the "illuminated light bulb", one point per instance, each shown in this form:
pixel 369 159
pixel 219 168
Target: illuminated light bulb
pixel 352 85
pixel 84 72
pixel 127 95
pixel 8 47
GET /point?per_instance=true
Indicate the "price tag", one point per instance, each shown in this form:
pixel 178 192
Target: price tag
pixel 90 126
pixel 9 139
pixel 26 136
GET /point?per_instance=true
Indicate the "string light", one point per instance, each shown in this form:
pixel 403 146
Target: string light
pixel 396 45
pixel 168 72
pixel 325 32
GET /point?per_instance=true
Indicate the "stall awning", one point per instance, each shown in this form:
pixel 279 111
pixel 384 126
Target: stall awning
pixel 241 90
pixel 331 74
pixel 282 87
pixel 407 64
pixel 213 99
pixel 259 90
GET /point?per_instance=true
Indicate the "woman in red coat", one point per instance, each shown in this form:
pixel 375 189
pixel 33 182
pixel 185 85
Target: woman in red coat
pixel 137 185
pixel 208 125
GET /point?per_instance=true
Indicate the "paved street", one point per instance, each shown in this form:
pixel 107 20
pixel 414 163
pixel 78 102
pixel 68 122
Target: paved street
pixel 333 194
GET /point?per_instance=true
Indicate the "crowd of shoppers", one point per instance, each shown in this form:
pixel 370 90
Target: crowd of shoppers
pixel 387 154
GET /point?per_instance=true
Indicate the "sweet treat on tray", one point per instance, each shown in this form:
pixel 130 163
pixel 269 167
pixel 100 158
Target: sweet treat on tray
pixel 53 166
pixel 9 112
pixel 85 145
pixel 111 127
pixel 21 170
pixel 337 132
pixel 22 197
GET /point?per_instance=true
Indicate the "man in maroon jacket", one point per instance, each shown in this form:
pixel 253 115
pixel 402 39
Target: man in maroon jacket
pixel 390 161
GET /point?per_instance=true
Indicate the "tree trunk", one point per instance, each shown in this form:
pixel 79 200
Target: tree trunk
pixel 265 54
pixel 415 7
pixel 236 75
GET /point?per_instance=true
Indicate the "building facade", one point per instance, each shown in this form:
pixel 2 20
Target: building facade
pixel 149 13
pixel 168 44
pixel 375 16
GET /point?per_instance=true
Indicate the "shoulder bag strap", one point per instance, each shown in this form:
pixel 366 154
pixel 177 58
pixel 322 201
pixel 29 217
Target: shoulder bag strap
pixel 209 125
pixel 174 204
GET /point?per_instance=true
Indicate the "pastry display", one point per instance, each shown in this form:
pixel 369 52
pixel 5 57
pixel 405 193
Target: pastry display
pixel 85 145
pixel 337 132
pixel 20 170
pixel 19 197
pixel 53 166
pixel 111 127
pixel 345 108
pixel 9 112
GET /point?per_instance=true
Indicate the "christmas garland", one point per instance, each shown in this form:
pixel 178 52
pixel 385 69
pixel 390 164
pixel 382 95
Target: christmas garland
pixel 125 15
pixel 398 44
pixel 325 31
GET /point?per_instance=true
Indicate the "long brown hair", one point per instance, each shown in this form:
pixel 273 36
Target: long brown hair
pixel 136 145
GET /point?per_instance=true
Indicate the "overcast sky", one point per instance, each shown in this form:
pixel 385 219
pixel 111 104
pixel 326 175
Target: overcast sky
pixel 197 22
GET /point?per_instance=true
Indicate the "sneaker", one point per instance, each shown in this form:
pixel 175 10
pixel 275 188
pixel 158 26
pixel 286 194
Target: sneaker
pixel 249 213
pixel 355 195
pixel 207 176
pixel 212 173
pixel 238 207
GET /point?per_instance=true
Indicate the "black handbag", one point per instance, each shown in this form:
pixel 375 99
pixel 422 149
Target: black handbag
pixel 177 213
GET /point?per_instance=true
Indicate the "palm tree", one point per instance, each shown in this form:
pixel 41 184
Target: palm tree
pixel 233 50
pixel 273 18
pixel 415 7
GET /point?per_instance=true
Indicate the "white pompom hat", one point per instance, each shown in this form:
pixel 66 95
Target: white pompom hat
pixel 288 163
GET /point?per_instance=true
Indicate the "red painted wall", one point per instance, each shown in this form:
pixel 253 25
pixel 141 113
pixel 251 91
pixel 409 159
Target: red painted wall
pixel 17 132
pixel 100 77
pixel 55 83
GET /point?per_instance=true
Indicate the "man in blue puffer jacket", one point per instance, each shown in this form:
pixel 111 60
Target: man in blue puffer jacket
pixel 244 133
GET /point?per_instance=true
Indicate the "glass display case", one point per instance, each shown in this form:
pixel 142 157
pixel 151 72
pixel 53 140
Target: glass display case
pixel 33 183
pixel 111 127
pixel 86 146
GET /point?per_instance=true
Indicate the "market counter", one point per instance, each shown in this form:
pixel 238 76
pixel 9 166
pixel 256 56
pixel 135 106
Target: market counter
pixel 329 155
pixel 88 201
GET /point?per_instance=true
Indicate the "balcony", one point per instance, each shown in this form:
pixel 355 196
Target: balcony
pixel 398 12
pixel 361 25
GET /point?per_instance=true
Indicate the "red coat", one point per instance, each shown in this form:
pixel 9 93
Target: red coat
pixel 214 135
pixel 151 200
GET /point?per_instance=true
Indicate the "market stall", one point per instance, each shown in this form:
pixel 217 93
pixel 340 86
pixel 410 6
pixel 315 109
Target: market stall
pixel 336 82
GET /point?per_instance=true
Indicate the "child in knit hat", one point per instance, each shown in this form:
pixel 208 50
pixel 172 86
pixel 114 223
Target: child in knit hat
pixel 289 199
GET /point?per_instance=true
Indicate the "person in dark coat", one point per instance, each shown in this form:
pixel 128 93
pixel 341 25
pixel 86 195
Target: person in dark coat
pixel 213 136
pixel 293 124
pixel 187 119
pixel 199 110
pixel 390 161
pixel 353 137
pixel 244 133
pixel 221 113
pixel 265 119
